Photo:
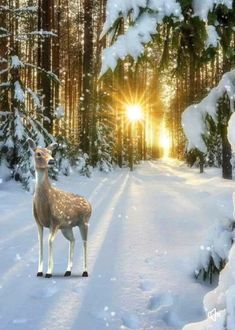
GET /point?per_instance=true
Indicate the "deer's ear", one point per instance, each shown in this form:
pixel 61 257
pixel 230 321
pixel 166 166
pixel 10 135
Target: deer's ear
pixel 52 146
pixel 31 144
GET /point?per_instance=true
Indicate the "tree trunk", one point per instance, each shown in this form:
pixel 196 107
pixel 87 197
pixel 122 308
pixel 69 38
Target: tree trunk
pixel 46 25
pixel 4 106
pixel 86 103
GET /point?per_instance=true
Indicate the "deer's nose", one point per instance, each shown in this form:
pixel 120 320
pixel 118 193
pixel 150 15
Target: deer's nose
pixel 51 162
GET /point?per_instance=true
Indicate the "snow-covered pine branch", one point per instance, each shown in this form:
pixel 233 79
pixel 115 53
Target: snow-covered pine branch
pixel 145 16
pixel 50 74
pixel 214 252
pixel 213 38
pixel 145 19
pixel 202 8
pixel 42 33
pixel 3 71
pixel 16 63
pixel 36 100
pixel 4 8
pixel 194 117
pixel 3 60
pixel 26 10
pixel 3 32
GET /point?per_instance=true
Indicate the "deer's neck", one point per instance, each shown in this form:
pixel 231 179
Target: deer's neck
pixel 42 181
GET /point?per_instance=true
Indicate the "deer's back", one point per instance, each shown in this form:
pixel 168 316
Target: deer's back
pixel 64 209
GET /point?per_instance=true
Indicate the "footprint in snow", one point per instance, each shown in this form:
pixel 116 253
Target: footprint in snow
pixel 19 321
pixel 79 289
pixel 146 285
pixel 45 292
pixel 130 321
pixel 163 305
pixel 161 301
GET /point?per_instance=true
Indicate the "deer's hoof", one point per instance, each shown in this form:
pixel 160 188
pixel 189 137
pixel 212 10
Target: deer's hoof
pixel 85 274
pixel 67 273
pixel 48 275
pixel 40 274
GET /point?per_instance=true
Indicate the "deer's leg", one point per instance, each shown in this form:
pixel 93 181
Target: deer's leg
pixel 68 233
pixel 40 258
pixel 84 231
pixel 51 238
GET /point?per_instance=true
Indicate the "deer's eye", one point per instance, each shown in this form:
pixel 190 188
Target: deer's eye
pixel 38 154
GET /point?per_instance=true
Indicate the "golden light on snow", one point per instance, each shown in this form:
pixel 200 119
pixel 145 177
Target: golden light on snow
pixel 134 112
pixel 165 140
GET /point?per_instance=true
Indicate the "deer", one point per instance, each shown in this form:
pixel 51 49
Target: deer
pixel 57 210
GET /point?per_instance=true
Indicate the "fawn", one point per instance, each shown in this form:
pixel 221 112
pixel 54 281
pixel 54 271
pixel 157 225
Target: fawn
pixel 56 209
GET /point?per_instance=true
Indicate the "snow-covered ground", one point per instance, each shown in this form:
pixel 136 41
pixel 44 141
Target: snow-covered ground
pixel 145 235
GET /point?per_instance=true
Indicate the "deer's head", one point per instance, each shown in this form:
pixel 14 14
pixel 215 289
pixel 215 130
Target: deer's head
pixel 42 156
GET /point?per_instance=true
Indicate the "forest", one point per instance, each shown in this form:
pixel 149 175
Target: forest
pixel 129 106
pixel 54 85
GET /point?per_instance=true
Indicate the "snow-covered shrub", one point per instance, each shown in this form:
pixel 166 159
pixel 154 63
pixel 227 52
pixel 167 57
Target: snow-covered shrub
pixel 63 156
pixel 69 157
pixel 82 164
pixel 220 301
pixel 102 152
pixel 104 145
pixel 214 252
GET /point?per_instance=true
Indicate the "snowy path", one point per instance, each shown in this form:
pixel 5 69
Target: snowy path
pixel 145 233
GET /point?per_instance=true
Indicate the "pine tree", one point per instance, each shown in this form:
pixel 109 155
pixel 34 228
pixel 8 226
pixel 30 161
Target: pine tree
pixel 23 120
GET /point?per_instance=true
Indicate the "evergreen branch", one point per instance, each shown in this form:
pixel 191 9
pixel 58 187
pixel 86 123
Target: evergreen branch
pixel 4 8
pixel 3 60
pixel 48 73
pixel 35 98
pixel 27 10
pixel 43 33
pixel 5 84
pixel 5 113
pixel 4 71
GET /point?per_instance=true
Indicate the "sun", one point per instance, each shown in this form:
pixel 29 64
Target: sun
pixel 134 112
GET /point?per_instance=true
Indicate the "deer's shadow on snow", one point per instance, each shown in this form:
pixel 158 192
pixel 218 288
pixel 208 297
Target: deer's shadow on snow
pixel 61 275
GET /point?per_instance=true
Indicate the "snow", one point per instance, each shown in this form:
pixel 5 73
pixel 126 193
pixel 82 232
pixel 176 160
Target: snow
pixel 231 131
pixel 43 33
pixel 202 8
pixel 212 36
pixel 18 93
pixel 59 112
pixel 35 98
pixel 26 9
pixel 133 40
pixel 193 118
pixel 141 264
pixel 19 127
pixel 16 63
pixel 116 7
pixel 194 127
pixel 144 17
pixel 216 246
